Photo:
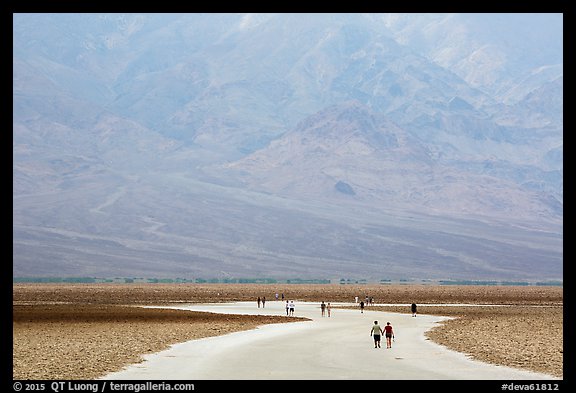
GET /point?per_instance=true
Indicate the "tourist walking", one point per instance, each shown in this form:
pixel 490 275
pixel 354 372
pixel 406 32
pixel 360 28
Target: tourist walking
pixel 292 308
pixel 263 301
pixel 287 308
pixel 413 309
pixel 377 333
pixel 323 308
pixel 362 307
pixel 328 308
pixel 389 333
pixel 258 301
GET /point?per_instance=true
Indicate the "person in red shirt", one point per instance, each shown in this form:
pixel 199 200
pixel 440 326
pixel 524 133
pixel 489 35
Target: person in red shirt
pixel 389 333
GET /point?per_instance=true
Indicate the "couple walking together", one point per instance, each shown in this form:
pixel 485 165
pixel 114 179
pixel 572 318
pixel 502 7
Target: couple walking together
pixel 377 332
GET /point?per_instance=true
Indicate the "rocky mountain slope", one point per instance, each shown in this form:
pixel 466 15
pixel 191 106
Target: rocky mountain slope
pixel 288 145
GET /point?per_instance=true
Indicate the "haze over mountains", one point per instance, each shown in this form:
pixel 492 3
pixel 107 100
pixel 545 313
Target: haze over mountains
pixel 378 146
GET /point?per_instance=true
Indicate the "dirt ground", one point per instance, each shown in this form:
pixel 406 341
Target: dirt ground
pixel 529 337
pixel 202 293
pixel 84 331
pixel 73 341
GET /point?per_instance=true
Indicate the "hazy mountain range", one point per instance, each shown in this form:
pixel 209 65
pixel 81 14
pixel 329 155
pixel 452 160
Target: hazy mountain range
pixel 288 145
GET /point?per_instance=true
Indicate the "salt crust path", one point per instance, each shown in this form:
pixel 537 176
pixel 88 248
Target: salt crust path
pixel 339 347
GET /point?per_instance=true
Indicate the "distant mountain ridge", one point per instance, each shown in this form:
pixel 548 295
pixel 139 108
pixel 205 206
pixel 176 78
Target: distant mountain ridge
pixel 288 145
pixel 382 163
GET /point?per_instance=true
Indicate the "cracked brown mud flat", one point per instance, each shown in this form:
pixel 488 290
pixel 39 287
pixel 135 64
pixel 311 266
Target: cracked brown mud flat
pixel 528 337
pixel 85 331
